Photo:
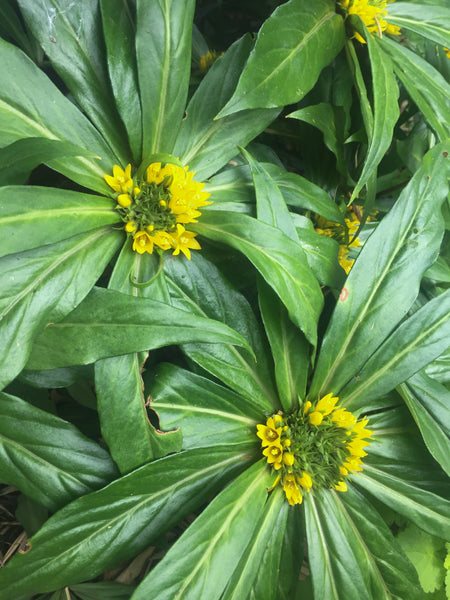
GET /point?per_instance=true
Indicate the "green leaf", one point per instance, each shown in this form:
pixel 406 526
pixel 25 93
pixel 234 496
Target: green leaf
pixel 201 562
pixel 33 216
pixel 426 553
pixel 207 144
pixel 384 281
pixel 47 458
pixel 12 30
pixel 418 340
pixel 427 87
pixel 103 528
pixel 328 119
pixel 71 36
pixel 429 511
pixel 45 284
pixel 21 157
pixel 131 438
pixel 261 559
pixel 198 287
pixel 194 403
pixel 352 553
pixel 279 260
pixel 119 31
pixel 270 205
pixel 32 106
pixel 428 402
pixel 101 590
pixel 101 326
pixel 433 22
pixel 163 50
pixel 290 349
pixel 302 193
pixel 385 112
pixel 279 74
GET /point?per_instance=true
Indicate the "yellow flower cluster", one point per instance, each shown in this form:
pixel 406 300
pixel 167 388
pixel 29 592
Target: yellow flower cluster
pixel 208 59
pixel 355 430
pixel 318 445
pixel 335 231
pixel 373 13
pixel 277 451
pixel 155 211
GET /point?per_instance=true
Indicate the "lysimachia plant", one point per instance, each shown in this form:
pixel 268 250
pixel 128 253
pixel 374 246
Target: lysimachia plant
pixel 298 408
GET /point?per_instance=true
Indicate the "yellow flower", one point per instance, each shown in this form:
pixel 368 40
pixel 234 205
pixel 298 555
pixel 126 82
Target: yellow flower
pixel 121 180
pixel 269 433
pixel 341 486
pixel 130 227
pixel 315 418
pixel 447 52
pixel 142 242
pixel 305 481
pixel 292 490
pixel 373 13
pixel 184 241
pixel 288 459
pixel 207 60
pixel 326 404
pixel 124 200
pixel 274 455
pixel 343 418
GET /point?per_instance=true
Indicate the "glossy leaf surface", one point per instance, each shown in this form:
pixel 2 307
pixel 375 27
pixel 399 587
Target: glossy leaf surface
pixel 44 284
pixel 432 22
pixel 47 113
pixel 71 36
pixel 201 562
pixel 384 280
pixel 311 35
pixel 103 528
pixel 279 260
pixel 47 458
pixel 39 216
pixel 102 324
pixel 183 399
pixel 163 51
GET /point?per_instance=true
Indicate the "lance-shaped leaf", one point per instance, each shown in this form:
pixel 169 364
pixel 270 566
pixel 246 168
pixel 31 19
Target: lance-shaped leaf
pixel 196 404
pixel 33 216
pixel 109 323
pixel 429 511
pixel 71 35
pixel 198 287
pixel 201 562
pixel 400 472
pixel 131 438
pixel 280 261
pixel 384 281
pixel 32 106
pixel 47 458
pixel 352 553
pixel 119 30
pixel 426 86
pixel 433 22
pixel 277 73
pixel 429 402
pixel 385 110
pixel 417 341
pixel 44 284
pixel 207 144
pixel 163 50
pixel 101 529
pixel 19 158
pixel 260 563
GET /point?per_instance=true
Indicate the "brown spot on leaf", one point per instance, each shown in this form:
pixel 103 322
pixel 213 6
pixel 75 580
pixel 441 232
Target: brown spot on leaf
pixel 343 295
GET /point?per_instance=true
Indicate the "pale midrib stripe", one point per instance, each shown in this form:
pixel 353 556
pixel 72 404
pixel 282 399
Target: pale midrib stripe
pixel 54 265
pixel 189 408
pixel 396 359
pixel 368 302
pixel 212 542
pixel 55 213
